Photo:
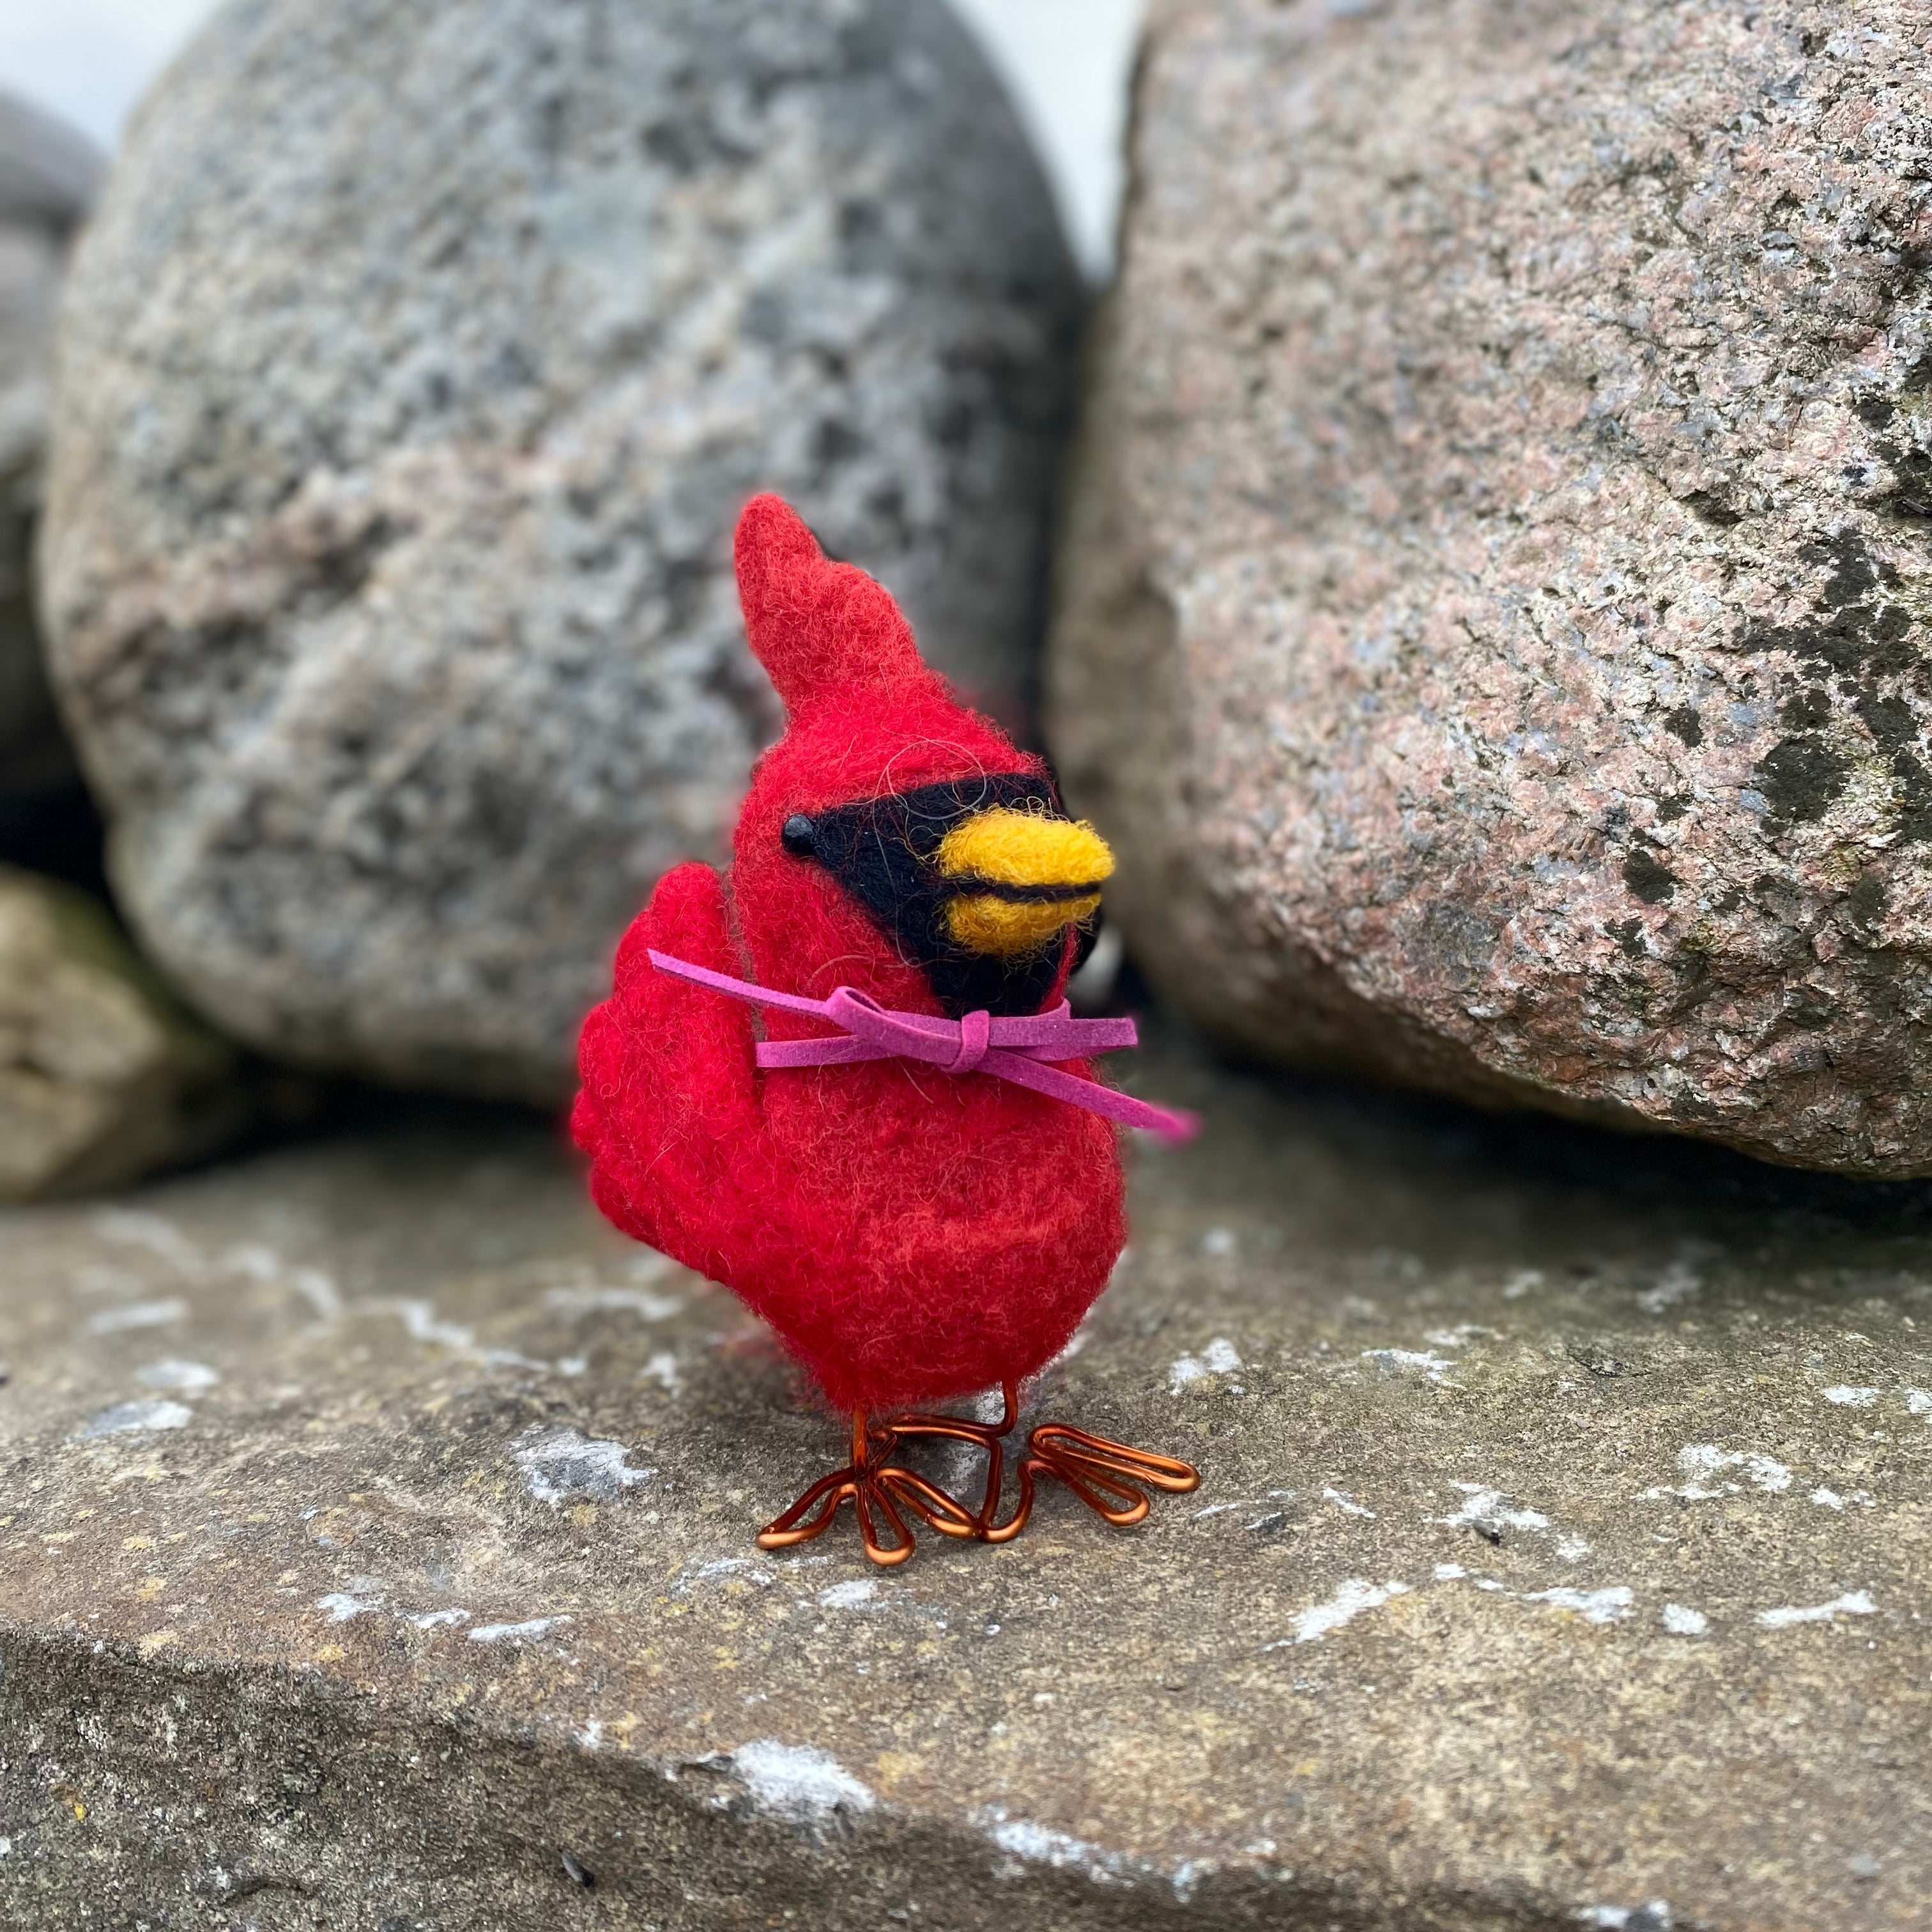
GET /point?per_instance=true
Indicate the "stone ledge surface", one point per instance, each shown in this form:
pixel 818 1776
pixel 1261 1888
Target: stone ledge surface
pixel 375 1552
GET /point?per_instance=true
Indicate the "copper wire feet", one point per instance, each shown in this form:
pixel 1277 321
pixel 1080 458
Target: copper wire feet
pixel 1107 1476
pixel 877 1486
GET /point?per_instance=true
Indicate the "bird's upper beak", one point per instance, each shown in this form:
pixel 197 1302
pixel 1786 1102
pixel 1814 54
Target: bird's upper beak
pixel 1020 879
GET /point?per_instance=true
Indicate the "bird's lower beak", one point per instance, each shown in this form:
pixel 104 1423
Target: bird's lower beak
pixel 1020 879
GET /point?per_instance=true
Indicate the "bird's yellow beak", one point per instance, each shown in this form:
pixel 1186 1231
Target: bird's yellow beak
pixel 1020 879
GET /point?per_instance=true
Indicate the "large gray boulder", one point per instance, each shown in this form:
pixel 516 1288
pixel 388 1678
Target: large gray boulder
pixel 415 369
pixel 48 176
pixel 1493 620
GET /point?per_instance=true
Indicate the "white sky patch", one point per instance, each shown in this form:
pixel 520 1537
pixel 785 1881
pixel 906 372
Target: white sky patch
pixel 638 1301
pixel 137 1315
pixel 798 1783
pixel 1852 1603
pixel 1348 1602
pixel 1346 1503
pixel 1409 1362
pixel 1680 1620
pixel 1703 1462
pixel 561 1463
pixel 129 1418
pixel 178 1378
pixel 1219 1358
pixel 527 1632
pixel 1847 1397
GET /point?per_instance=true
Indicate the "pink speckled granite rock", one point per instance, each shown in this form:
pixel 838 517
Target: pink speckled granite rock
pixel 1492 624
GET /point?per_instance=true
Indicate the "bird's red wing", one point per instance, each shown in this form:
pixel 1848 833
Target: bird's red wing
pixel 668 1110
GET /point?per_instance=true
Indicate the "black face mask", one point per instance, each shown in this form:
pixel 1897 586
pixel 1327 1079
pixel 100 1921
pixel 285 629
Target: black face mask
pixel 883 852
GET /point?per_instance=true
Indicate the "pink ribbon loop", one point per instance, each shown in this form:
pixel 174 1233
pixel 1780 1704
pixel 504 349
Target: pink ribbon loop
pixel 1008 1047
pixel 976 1037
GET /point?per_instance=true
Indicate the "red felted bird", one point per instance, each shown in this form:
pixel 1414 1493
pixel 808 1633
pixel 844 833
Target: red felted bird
pixel 913 1176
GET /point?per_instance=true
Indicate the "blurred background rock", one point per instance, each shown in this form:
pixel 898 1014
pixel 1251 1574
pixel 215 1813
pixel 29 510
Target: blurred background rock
pixel 407 402
pixel 49 175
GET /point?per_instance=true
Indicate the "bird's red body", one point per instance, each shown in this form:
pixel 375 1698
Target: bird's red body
pixel 910 1234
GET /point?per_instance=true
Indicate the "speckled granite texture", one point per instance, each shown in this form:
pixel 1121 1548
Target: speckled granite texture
pixel 415 370
pixel 1493 623
pixel 375 1552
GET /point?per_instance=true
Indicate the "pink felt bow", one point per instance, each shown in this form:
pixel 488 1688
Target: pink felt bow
pixel 1008 1049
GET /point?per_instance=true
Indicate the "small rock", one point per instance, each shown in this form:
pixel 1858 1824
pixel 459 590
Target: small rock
pixel 418 365
pixel 1493 622
pixel 103 1077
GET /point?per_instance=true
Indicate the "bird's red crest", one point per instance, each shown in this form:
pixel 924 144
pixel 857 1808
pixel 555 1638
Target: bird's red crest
pixel 817 627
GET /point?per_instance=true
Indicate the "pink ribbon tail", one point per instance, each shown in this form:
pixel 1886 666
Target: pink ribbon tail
pixel 1013 1048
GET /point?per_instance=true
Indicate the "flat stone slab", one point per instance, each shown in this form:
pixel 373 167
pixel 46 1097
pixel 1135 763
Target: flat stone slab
pixel 375 1552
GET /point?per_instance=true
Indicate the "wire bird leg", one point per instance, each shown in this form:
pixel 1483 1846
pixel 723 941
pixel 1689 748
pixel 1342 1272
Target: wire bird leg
pixel 1108 1476
pixel 879 1488
pixel 1105 1476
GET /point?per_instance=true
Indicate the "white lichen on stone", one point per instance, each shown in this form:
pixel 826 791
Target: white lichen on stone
pixel 637 1301
pixel 558 1464
pixel 1426 1363
pixel 1354 1597
pixel 1219 1358
pixel 178 1378
pixel 129 1418
pixel 1852 1603
pixel 1701 1463
pixel 1607 1606
pixel 799 1783
pixel 137 1315
pixel 528 1631
pixel 1490 1512
pixel 852 1596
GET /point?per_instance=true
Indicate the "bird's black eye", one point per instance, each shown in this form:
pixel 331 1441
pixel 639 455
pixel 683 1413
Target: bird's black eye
pixel 797 836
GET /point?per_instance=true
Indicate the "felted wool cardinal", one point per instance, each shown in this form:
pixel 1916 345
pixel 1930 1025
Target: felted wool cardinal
pixel 913 1175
